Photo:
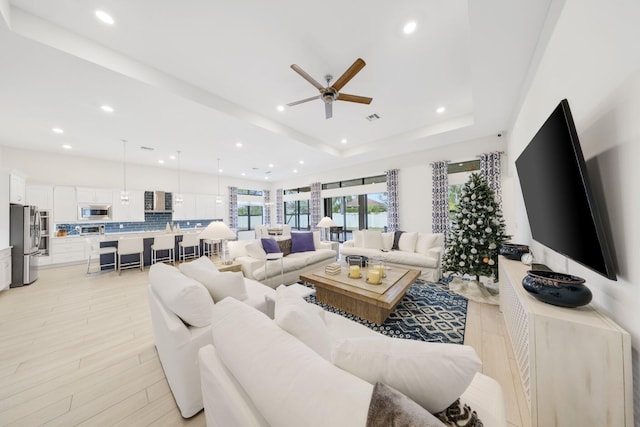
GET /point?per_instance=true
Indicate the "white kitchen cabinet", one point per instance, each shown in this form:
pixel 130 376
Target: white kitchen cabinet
pixel 40 196
pixel 188 208
pixel 66 250
pixel 205 206
pixel 5 269
pixel 65 205
pixel 17 189
pixel 95 195
pixel 133 212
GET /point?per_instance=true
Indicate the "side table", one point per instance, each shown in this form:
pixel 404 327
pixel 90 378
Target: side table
pixel 234 266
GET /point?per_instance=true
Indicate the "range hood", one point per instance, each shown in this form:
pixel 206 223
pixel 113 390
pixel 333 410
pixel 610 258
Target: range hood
pixel 157 201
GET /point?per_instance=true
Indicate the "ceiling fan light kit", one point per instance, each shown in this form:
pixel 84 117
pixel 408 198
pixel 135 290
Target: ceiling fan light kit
pixel 331 93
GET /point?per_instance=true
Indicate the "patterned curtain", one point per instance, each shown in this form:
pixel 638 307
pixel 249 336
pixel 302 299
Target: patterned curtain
pixel 233 207
pixel 490 169
pixel 440 198
pixel 393 204
pixel 316 204
pixel 267 206
pixel 279 206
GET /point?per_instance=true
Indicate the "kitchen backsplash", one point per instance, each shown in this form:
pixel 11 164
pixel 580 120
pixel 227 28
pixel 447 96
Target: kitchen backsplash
pixel 153 221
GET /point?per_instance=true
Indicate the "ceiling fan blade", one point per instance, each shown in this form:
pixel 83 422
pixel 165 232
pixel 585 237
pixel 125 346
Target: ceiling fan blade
pixel 291 104
pixel 354 98
pixel 348 75
pixel 307 77
pixel 328 110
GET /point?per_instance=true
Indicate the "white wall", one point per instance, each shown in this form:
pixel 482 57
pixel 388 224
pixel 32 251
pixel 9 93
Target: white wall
pixel 593 60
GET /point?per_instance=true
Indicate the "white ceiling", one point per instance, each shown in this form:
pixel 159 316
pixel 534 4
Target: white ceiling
pixel 199 76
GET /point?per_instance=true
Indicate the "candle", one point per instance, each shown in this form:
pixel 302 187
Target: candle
pixel 354 271
pixel 374 276
pixel 380 269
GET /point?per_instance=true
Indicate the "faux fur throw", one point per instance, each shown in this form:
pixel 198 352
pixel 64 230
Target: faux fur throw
pixel 390 408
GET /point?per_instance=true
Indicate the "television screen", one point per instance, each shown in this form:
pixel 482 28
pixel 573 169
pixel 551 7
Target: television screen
pixel 557 194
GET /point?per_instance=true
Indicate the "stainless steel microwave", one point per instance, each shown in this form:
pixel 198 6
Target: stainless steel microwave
pixel 94 212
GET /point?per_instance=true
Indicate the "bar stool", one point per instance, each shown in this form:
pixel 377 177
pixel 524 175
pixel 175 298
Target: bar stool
pixel 190 240
pixel 166 242
pixel 130 246
pixel 95 251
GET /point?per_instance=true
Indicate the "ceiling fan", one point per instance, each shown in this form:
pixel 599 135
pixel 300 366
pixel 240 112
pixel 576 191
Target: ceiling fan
pixel 332 91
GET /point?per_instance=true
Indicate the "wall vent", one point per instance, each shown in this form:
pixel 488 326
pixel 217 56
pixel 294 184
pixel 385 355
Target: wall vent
pixel 373 117
pixel 147 148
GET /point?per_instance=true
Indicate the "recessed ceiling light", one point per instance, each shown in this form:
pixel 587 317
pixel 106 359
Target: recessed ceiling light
pixel 161 161
pixel 266 177
pixel 172 157
pixel 441 110
pixel 243 174
pixel 105 17
pixel 301 162
pixel 409 27
pixel 344 140
pixel 107 108
pixel 67 147
pixel 57 130
pixel 220 171
pixel 270 165
pixel 239 144
pixel 280 108
pixel 295 171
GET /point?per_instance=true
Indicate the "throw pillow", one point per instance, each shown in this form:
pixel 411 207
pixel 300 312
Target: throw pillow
pixel 425 242
pixel 407 242
pixel 389 407
pixel 198 268
pixel 285 246
pixel 357 238
pixel 302 320
pixel 226 284
pixel 255 250
pixel 302 242
pixel 372 239
pixel 434 375
pixel 270 246
pixel 238 248
pixel 387 241
pixel 396 239
pixel 181 295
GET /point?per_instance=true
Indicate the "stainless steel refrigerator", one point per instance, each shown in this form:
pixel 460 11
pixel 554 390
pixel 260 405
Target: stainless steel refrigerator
pixel 24 236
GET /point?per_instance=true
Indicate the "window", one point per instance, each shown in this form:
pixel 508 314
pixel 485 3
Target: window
pixel 250 192
pixel 355 182
pixel 249 216
pixel 458 175
pixel 296 214
pixel 357 212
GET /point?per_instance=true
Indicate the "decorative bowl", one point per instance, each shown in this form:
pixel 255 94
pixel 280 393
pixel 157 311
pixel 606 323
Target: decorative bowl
pixel 363 259
pixel 559 289
pixel 513 251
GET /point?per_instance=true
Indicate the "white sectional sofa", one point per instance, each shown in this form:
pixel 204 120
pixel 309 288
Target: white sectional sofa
pixel 414 250
pixel 181 316
pixel 252 257
pixel 261 372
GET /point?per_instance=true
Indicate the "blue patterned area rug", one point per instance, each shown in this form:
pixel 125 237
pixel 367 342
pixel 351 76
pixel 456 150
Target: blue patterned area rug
pixel 428 312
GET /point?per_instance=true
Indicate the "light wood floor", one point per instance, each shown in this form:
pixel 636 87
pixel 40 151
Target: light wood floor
pixel 78 350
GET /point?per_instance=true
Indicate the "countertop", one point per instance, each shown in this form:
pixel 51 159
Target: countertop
pixel 144 234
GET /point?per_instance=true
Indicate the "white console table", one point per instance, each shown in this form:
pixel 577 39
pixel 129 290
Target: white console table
pixel 575 363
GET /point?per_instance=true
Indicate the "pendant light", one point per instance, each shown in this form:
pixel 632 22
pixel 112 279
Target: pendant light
pixel 179 199
pixel 124 194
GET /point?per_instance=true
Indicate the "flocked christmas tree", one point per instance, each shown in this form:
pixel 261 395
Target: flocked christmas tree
pixel 477 231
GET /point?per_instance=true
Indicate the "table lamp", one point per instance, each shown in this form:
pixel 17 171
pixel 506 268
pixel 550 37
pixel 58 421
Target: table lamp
pixel 325 223
pixel 217 230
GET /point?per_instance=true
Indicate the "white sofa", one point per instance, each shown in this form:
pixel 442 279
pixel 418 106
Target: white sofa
pixel 181 316
pixel 256 373
pixel 420 251
pixel 251 256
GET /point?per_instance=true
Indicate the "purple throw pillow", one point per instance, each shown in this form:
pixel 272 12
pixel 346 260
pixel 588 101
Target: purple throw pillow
pixel 270 246
pixel 302 242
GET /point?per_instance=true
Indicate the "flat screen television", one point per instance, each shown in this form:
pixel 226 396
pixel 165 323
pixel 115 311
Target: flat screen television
pixel 558 197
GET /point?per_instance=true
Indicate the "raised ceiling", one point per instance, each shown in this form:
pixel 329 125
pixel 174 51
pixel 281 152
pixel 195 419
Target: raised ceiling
pixel 201 76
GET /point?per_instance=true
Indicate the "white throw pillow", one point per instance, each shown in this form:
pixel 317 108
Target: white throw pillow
pixel 425 242
pixel 432 374
pixel 199 269
pixel 357 238
pixel 387 240
pixel 316 240
pixel 372 239
pixel 407 242
pixel 255 250
pixel 287 382
pixel 303 320
pixel 226 284
pixel 238 248
pixel 185 297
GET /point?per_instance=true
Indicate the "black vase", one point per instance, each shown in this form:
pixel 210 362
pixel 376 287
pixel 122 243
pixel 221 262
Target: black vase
pixel 513 251
pixel 558 289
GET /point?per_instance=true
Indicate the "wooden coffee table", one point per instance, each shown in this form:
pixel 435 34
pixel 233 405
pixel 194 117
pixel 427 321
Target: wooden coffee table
pixel 339 291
